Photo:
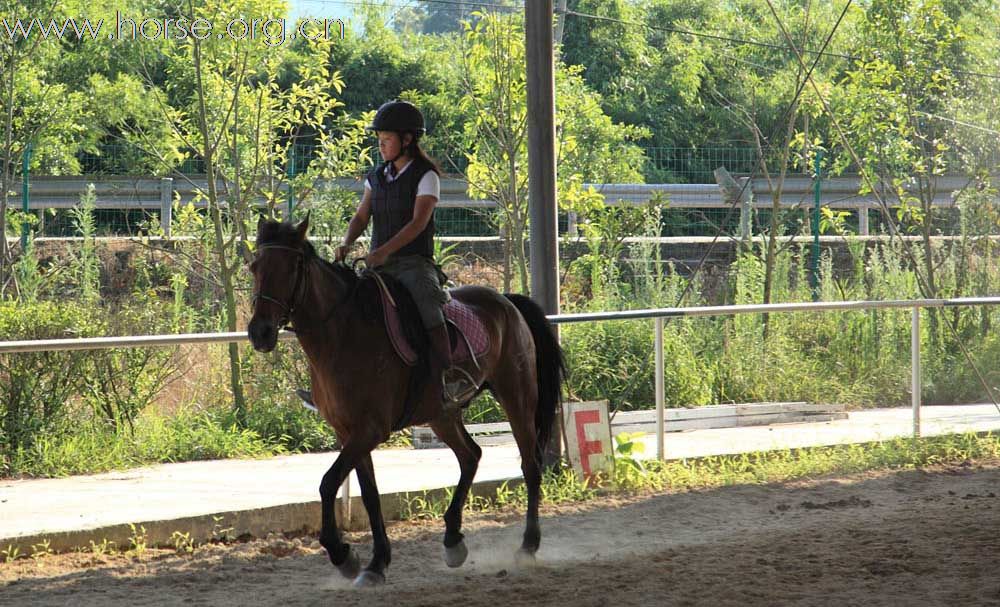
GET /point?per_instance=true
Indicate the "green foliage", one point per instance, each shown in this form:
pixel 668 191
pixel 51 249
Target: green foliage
pixel 614 360
pixel 186 435
pixel 275 413
pixel 28 276
pixel 36 388
pixel 120 383
pixel 86 264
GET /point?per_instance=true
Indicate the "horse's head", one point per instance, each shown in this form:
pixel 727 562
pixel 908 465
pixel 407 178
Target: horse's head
pixel 279 278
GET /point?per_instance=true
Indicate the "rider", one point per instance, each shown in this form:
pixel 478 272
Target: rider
pixel 400 195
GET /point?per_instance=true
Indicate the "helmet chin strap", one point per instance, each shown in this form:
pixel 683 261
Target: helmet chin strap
pixel 402 150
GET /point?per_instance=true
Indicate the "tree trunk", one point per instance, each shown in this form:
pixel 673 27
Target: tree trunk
pixel 226 270
pixel 926 200
pixel 507 266
pixel 7 178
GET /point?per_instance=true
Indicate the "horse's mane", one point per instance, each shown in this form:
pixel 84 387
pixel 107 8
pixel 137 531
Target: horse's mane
pixel 286 233
pixel 363 289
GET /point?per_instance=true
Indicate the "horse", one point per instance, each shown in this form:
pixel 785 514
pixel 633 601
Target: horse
pixel 363 389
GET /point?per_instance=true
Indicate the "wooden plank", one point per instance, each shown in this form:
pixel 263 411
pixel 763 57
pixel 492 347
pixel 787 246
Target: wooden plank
pixel 677 420
pixel 754 409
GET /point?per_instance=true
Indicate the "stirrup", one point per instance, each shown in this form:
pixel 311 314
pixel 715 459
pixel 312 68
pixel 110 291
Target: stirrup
pixel 306 397
pixel 458 391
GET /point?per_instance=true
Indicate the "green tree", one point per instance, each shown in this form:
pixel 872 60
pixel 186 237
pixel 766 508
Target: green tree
pixel 36 108
pixel 904 78
pixel 492 92
pixel 242 125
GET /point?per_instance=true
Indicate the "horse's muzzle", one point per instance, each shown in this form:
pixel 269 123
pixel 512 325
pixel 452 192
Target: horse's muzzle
pixel 263 334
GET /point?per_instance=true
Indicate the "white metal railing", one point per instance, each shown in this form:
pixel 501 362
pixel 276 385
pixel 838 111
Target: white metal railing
pixel 658 315
pixel 915 305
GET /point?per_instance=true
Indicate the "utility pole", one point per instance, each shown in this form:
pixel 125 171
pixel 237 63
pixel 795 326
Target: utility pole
pixel 542 166
pixel 560 21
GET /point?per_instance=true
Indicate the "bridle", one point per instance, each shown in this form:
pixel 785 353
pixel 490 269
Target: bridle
pixel 284 322
pixel 287 308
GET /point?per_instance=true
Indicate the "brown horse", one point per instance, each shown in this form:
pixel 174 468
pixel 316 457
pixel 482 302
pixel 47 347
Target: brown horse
pixel 363 389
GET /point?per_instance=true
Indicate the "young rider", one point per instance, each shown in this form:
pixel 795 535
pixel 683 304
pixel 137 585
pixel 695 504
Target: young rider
pixel 399 200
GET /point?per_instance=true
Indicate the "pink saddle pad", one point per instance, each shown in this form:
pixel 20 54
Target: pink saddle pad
pixel 460 317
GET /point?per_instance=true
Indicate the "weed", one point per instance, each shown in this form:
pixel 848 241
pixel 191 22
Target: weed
pixel 219 533
pixel 182 542
pixel 104 548
pixel 41 550
pixel 137 540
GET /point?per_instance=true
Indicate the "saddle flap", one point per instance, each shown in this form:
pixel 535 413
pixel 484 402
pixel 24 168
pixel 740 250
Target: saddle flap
pixel 464 326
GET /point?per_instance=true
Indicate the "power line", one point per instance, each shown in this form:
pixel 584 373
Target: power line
pixel 959 122
pixel 746 42
pixel 660 28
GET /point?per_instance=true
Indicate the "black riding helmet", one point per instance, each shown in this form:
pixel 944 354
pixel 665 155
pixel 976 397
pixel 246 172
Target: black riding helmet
pixel 398 116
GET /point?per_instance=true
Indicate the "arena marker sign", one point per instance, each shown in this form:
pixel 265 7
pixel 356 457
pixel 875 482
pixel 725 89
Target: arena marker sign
pixel 588 436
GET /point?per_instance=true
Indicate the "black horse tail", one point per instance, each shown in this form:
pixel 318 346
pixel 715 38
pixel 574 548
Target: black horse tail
pixel 550 368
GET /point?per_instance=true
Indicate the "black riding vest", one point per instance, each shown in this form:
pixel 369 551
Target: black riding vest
pixel 392 208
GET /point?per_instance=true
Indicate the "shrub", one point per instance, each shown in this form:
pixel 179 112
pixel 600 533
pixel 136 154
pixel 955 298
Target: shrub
pixel 35 388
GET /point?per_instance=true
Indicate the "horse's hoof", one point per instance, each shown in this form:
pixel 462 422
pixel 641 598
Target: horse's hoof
pixel 369 579
pixel 524 558
pixel 455 556
pixel 351 566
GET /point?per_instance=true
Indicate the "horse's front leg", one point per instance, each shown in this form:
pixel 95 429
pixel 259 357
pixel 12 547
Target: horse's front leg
pixel 374 573
pixel 340 552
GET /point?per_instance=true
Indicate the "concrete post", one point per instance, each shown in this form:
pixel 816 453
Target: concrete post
pixel 915 370
pixel 166 204
pixel 542 164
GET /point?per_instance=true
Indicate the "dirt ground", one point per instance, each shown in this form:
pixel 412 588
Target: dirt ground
pixel 925 537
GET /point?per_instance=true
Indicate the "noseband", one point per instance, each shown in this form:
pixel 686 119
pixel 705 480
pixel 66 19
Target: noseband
pixel 287 308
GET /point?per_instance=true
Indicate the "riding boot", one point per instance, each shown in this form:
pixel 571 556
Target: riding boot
pixel 456 385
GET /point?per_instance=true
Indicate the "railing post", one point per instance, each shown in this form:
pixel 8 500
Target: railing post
pixel 345 497
pixel 863 220
pixel 915 382
pixel 166 204
pixel 659 388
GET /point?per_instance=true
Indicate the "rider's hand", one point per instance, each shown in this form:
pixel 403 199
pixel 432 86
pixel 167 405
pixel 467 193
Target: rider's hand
pixel 376 258
pixel 340 253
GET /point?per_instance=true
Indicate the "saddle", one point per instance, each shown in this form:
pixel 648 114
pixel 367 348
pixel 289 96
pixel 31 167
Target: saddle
pixel 467 332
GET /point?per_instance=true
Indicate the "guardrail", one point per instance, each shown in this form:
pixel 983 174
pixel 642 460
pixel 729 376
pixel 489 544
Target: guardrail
pixel 158 194
pixel 658 315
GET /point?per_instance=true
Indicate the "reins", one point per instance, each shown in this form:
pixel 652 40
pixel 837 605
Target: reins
pixel 301 285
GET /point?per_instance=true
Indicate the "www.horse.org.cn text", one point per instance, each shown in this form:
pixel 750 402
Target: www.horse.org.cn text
pixel 273 31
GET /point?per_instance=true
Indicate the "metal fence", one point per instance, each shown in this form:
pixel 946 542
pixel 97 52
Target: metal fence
pixel 658 316
pixel 141 204
pixel 127 206
pixel 662 163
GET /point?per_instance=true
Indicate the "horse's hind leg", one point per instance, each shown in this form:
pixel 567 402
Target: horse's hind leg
pixel 517 399
pixel 374 573
pixel 451 430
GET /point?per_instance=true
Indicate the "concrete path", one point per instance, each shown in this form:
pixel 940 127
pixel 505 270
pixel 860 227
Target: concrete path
pixel 208 499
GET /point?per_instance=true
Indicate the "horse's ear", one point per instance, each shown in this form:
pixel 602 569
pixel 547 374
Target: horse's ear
pixel 303 227
pixel 260 224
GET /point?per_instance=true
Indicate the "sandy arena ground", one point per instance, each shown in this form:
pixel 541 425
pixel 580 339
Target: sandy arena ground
pixel 929 537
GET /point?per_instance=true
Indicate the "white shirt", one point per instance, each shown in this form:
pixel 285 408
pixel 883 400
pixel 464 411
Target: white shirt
pixel 430 183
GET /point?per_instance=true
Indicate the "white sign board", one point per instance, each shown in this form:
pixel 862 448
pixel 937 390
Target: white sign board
pixel 588 436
